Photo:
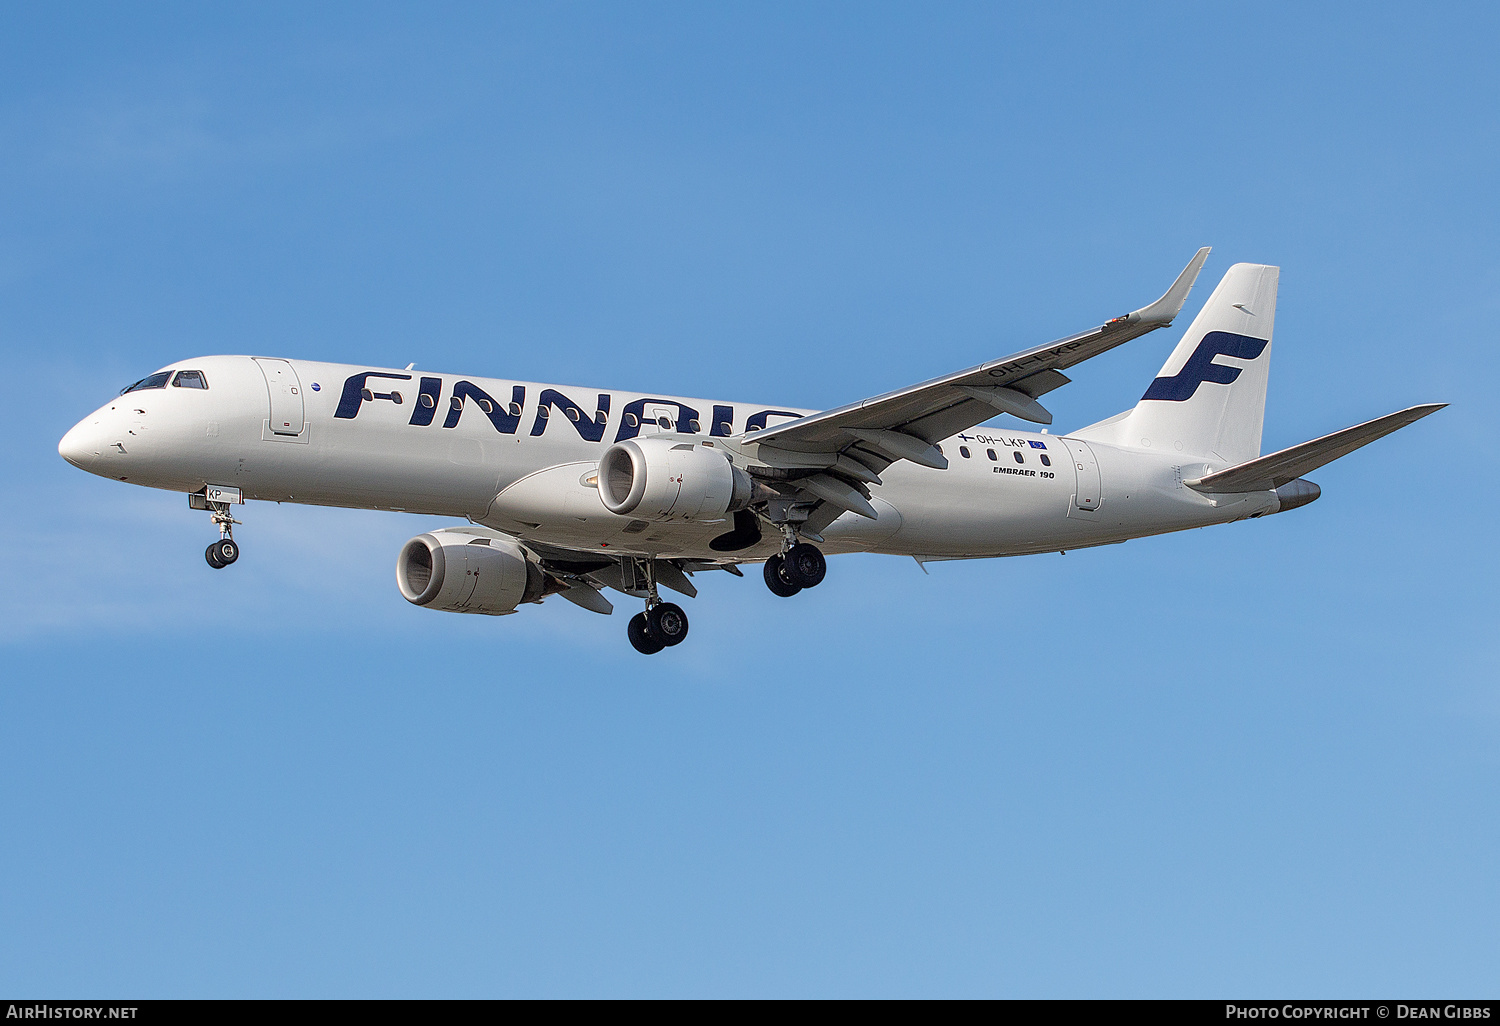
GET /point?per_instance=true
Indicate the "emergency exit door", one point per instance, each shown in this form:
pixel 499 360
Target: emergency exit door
pixel 1086 497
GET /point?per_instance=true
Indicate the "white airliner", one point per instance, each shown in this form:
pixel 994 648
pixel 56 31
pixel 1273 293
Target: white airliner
pixel 571 490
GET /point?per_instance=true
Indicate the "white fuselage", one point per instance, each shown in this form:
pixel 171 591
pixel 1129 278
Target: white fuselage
pixel 447 445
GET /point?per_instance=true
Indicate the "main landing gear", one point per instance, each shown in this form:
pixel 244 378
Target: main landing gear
pixel 662 625
pixel 800 566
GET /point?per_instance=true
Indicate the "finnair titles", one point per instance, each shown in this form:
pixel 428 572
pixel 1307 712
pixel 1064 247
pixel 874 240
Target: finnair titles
pixel 577 491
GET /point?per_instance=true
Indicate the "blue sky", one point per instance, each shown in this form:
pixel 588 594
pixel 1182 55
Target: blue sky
pixel 1259 759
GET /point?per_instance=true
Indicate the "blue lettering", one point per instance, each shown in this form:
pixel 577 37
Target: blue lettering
pixel 636 412
pixel 504 420
pixel 425 408
pixel 757 421
pixel 1200 367
pixel 354 393
pixel 723 425
pixel 591 429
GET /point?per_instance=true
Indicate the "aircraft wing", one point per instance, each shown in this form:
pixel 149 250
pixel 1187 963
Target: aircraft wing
pixel 1278 468
pixel 943 406
pixel 847 447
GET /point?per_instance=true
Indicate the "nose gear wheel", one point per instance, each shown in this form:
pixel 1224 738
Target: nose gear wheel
pixel 221 553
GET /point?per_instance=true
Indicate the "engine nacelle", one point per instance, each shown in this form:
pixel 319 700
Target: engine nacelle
pixel 465 573
pixel 667 479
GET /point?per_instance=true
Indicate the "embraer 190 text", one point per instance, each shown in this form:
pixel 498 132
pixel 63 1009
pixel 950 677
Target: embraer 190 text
pixel 569 490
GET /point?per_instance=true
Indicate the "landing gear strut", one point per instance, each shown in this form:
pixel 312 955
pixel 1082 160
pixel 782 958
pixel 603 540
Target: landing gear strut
pixel 224 551
pixel 662 625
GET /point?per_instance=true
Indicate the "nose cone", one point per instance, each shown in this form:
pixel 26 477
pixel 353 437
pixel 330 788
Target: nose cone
pixel 83 445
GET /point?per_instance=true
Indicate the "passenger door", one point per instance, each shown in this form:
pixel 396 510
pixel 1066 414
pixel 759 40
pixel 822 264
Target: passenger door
pixel 288 416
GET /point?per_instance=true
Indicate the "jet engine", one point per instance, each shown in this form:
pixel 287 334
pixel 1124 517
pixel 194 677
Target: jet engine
pixel 668 479
pixel 464 573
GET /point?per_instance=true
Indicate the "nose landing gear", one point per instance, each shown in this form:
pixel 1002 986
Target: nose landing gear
pixel 224 551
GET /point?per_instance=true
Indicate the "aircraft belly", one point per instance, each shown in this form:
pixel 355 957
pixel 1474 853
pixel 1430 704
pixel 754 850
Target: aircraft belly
pixel 854 533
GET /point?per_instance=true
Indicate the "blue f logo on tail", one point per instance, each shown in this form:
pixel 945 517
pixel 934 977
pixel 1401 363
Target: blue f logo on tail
pixel 1200 367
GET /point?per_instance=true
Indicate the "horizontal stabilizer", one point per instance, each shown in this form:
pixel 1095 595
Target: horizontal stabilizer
pixel 1279 468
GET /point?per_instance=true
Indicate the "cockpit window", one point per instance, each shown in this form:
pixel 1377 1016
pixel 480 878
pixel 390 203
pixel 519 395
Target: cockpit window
pixel 157 380
pixel 190 379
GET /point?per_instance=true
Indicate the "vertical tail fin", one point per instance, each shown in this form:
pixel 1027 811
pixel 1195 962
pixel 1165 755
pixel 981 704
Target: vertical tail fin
pixel 1210 397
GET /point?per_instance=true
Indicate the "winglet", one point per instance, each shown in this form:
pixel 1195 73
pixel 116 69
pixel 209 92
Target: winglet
pixel 1166 308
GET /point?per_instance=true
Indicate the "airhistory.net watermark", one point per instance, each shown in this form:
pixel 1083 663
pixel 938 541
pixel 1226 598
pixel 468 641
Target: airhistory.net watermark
pixel 45 1010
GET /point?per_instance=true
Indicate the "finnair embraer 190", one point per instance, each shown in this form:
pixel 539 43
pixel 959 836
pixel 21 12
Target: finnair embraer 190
pixel 571 490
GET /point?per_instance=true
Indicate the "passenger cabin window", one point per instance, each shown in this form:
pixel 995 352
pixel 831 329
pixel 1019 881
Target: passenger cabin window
pixel 991 453
pixel 157 380
pixel 189 379
pixel 963 450
pixel 1019 458
pixel 1046 461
